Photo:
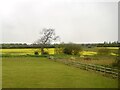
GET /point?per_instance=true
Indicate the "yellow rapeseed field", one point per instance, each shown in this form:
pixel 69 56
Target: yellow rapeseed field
pixel 88 53
pixel 25 51
pixel 31 51
pixel 115 48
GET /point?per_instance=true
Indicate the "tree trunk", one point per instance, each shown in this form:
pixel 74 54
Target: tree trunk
pixel 42 50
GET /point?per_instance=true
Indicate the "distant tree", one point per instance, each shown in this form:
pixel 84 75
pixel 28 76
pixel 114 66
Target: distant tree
pixel 47 36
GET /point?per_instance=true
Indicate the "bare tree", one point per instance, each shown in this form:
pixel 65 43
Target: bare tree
pixel 46 37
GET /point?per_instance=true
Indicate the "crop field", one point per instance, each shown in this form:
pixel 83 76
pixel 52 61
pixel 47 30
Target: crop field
pixel 92 52
pixel 24 51
pixel 30 51
pixel 38 72
pixel 89 52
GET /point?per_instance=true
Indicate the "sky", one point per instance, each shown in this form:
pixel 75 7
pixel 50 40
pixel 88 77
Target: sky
pixel 77 21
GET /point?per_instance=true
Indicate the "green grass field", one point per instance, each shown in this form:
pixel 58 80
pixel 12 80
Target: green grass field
pixel 38 72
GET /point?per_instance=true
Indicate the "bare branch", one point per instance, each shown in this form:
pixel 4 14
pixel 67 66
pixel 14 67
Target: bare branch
pixel 46 37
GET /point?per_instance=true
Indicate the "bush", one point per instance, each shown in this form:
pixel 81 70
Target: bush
pixel 72 49
pixel 36 53
pixel 45 53
pixel 67 50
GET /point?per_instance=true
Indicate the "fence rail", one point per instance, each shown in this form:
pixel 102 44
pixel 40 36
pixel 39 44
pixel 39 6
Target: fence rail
pixel 97 68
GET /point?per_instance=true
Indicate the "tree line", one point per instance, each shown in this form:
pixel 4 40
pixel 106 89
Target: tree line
pixel 25 45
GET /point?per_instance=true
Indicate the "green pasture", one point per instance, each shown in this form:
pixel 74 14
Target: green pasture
pixel 38 72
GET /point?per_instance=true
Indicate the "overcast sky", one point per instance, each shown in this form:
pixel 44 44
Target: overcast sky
pixel 77 21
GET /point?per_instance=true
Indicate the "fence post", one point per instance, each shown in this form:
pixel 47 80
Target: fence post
pixel 86 66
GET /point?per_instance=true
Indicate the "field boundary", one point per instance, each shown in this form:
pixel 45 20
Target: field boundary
pixel 105 71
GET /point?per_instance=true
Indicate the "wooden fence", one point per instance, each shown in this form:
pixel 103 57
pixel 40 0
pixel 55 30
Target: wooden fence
pixel 91 67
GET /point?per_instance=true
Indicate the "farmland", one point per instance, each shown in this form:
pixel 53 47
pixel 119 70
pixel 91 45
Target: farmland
pixel 31 51
pixel 92 53
pixel 37 72
pixel 24 51
pixel 31 71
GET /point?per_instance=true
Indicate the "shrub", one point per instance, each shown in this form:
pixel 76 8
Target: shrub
pixel 36 53
pixel 67 50
pixel 72 49
pixel 45 53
